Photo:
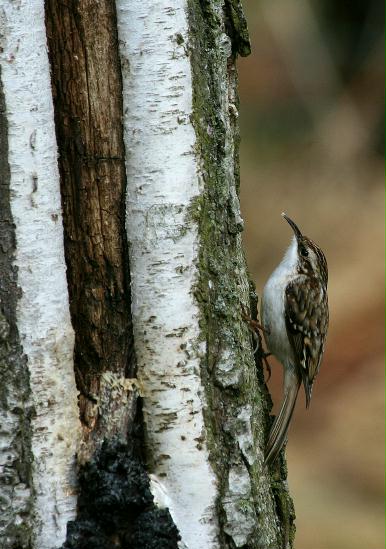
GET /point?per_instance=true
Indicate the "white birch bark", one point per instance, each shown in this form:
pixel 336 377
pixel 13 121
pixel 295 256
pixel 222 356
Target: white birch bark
pixel 43 311
pixel 162 175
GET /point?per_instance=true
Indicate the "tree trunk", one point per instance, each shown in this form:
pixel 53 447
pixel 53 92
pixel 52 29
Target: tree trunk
pixel 39 415
pixel 146 106
pixel 87 92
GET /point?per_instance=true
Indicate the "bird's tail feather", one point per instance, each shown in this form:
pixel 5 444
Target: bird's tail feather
pixel 280 426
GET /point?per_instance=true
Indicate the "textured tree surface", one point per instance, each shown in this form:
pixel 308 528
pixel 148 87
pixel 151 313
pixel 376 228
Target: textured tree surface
pixel 39 416
pixel 252 508
pixel 15 407
pixel 261 514
pixel 87 91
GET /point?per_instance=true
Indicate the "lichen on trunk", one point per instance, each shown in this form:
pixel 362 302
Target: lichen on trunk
pixel 205 403
pixel 255 511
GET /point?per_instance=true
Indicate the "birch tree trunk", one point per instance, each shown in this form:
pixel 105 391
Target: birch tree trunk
pixel 160 379
pixel 38 409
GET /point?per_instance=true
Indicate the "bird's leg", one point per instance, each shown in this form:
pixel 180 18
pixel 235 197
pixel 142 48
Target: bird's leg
pixel 254 324
pixel 256 328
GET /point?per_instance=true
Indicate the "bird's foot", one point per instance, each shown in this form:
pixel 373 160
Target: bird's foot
pixel 255 327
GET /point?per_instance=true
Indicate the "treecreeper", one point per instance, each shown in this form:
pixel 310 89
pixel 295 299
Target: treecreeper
pixel 294 313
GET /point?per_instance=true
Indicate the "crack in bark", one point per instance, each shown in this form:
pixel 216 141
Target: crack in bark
pixel 89 132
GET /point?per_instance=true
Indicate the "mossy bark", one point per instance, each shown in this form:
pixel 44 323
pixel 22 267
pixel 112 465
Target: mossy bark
pixel 260 514
pixel 253 507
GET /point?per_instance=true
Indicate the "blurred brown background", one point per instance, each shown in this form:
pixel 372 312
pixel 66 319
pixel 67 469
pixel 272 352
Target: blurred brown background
pixel 312 110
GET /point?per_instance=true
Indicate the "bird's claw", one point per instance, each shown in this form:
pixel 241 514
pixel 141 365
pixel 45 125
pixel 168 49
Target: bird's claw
pixel 256 328
pixel 254 325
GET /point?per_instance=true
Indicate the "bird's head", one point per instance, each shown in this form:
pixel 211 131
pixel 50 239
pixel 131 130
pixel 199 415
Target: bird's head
pixel 311 259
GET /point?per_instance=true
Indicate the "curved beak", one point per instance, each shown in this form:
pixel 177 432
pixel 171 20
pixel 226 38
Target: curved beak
pixel 295 228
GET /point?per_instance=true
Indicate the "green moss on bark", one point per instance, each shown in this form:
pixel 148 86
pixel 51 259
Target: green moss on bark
pixel 237 417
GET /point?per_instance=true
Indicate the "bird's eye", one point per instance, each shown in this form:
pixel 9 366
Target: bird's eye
pixel 303 251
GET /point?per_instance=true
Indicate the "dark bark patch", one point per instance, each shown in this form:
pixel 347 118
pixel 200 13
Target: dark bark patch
pixel 116 507
pixel 87 94
pixel 237 29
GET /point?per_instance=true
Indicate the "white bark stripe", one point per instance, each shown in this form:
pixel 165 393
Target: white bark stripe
pixel 43 311
pixel 163 179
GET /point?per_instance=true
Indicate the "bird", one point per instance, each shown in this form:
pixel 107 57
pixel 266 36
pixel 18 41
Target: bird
pixel 294 316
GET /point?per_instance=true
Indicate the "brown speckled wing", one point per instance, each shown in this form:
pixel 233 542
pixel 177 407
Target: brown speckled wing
pixel 306 316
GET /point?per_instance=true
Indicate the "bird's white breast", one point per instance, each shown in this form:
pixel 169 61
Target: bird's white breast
pixel 272 306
